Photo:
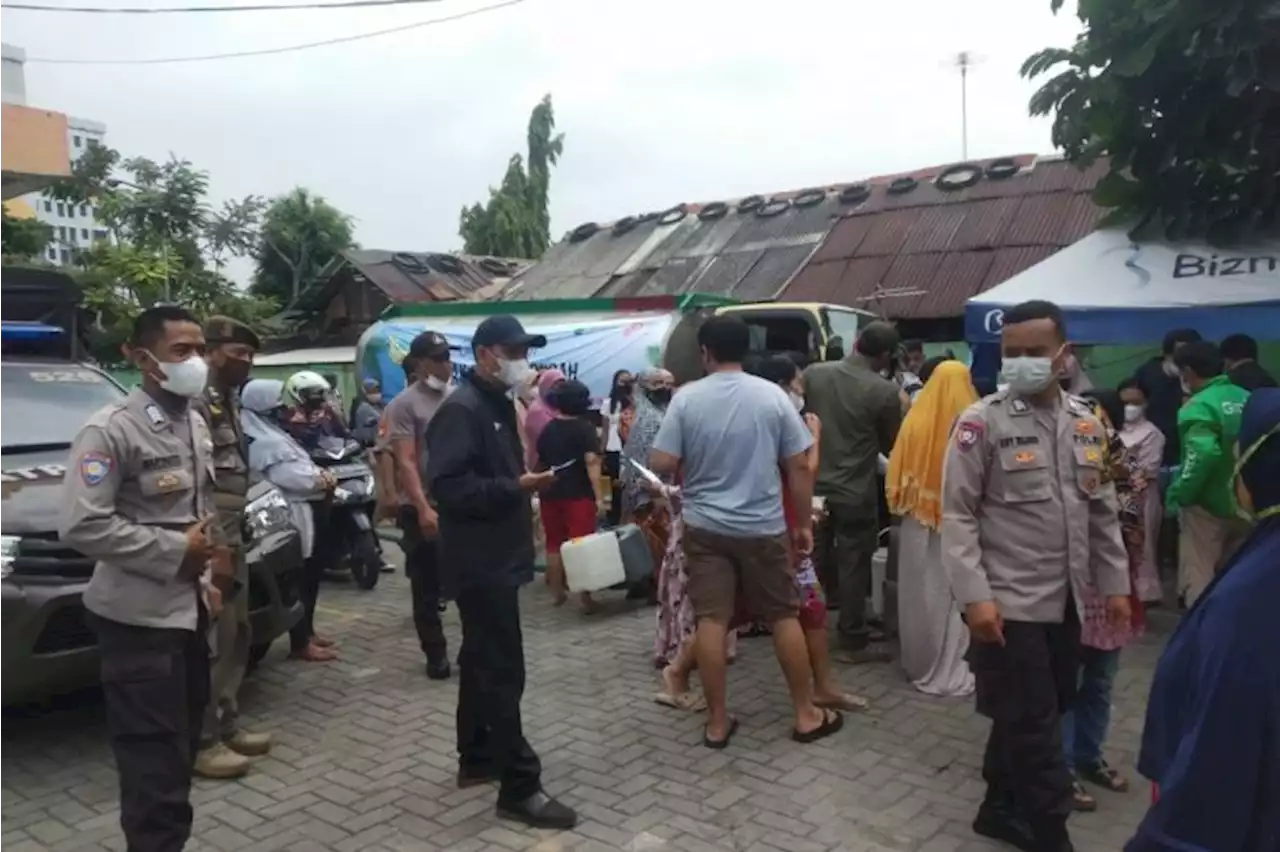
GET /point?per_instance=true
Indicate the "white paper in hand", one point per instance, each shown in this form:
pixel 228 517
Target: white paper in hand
pixel 646 473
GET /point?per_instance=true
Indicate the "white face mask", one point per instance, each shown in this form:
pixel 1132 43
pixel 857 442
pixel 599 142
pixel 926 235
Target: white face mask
pixel 1028 375
pixel 436 383
pixel 1133 413
pixel 797 400
pixel 1171 369
pixel 184 378
pixel 515 372
pixel 1186 388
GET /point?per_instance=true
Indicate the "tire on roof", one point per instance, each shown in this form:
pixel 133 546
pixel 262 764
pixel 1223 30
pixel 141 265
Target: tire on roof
pixel 902 186
pixel 446 263
pixel 1002 168
pixel 625 224
pixel 855 194
pixel 750 203
pixel 713 211
pixel 650 216
pixel 583 231
pixel 672 215
pixel 773 207
pixel 410 262
pixel 959 176
pixel 809 198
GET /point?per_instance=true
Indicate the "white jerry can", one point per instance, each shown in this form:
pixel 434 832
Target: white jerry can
pixel 593 562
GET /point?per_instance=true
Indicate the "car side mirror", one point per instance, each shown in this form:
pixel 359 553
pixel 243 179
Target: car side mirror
pixel 835 348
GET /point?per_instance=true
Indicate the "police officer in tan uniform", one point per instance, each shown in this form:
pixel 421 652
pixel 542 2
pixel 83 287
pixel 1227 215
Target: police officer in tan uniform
pixel 139 500
pixel 225 748
pixel 1029 522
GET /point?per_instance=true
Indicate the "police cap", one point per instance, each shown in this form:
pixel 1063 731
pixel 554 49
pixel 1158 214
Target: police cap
pixel 220 330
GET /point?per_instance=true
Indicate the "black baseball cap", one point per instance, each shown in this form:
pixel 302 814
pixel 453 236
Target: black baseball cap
pixel 432 345
pixel 505 330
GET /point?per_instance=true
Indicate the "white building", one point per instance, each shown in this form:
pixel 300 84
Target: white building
pixel 74 225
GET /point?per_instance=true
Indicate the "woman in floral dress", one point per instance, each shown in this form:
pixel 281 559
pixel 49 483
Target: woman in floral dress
pixel 1085 724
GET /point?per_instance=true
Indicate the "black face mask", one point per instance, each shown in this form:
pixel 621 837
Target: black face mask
pixel 659 396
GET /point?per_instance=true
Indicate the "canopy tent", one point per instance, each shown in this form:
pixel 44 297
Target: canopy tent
pixel 1116 292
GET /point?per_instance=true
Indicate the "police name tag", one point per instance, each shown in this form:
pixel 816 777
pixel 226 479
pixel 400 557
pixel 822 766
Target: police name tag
pixel 155 415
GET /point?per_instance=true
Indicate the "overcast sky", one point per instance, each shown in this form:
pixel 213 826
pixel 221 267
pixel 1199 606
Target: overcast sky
pixel 661 101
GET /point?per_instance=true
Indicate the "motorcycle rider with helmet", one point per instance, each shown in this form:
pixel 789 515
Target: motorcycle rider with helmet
pixel 308 415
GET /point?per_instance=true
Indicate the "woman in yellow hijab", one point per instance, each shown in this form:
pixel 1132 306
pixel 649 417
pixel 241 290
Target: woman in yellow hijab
pixel 934 639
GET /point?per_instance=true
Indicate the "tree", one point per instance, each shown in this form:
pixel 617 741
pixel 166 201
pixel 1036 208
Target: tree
pixel 167 243
pixel 516 222
pixel 24 239
pixel 301 234
pixel 1184 100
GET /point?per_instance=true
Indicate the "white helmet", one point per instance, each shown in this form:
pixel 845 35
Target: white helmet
pixel 304 386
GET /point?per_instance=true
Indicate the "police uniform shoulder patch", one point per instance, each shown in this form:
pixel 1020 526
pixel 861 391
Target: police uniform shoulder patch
pixel 155 416
pixel 969 433
pixel 95 467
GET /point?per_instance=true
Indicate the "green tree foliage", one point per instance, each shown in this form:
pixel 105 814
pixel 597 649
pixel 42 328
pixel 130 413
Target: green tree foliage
pixel 1183 97
pixel 516 222
pixel 167 243
pixel 300 235
pixel 24 239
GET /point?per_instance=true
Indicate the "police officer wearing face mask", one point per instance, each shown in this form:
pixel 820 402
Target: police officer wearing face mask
pixel 139 500
pixel 225 747
pixel 477 481
pixel 1029 522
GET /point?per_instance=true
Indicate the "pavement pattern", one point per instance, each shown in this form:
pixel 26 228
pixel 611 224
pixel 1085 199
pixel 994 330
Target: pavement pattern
pixel 363 758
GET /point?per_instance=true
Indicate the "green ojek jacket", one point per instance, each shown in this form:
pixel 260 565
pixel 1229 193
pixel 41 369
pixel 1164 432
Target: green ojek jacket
pixel 1208 425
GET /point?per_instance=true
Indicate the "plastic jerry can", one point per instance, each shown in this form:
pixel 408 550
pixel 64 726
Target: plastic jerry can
pixel 637 559
pixel 593 562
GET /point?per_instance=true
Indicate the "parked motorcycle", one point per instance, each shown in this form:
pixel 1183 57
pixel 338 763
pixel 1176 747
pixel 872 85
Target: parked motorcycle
pixel 344 519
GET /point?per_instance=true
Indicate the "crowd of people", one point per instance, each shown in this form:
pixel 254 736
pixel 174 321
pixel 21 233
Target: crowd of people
pixel 1026 526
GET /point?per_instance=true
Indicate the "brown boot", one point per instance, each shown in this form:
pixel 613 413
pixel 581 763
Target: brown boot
pixel 249 744
pixel 219 761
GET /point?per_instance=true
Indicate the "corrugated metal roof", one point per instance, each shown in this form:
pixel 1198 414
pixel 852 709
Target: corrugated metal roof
pixel 913 254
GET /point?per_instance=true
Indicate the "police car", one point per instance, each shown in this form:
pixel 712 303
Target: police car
pixel 47 646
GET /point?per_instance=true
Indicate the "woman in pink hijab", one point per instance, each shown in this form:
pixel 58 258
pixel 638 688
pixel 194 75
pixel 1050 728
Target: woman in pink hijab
pixel 540 413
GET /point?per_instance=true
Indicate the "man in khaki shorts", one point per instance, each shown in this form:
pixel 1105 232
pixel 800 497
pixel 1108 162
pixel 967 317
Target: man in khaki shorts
pixel 727 434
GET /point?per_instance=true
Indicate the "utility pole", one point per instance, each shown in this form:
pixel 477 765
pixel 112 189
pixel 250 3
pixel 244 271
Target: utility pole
pixel 964 60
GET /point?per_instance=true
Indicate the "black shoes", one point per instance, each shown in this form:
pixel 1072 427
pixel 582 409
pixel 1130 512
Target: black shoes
pixel 439 669
pixel 475 777
pixel 539 811
pixel 1000 824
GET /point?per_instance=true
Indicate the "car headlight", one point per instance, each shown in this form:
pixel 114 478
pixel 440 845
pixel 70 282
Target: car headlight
pixel 8 552
pixel 267 514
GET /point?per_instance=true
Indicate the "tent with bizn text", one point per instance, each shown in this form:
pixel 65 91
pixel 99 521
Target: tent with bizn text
pixel 1114 291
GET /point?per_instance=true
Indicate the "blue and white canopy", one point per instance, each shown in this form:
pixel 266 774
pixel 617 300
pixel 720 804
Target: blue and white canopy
pixel 1114 291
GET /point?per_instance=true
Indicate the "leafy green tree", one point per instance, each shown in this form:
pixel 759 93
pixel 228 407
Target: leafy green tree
pixel 167 242
pixel 300 235
pixel 516 221
pixel 1183 97
pixel 24 239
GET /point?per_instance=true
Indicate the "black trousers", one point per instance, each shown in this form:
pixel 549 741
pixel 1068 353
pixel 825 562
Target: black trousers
pixel 490 735
pixel 1024 687
pixel 156 682
pixel 612 468
pixel 849 538
pixel 422 565
pixel 312 572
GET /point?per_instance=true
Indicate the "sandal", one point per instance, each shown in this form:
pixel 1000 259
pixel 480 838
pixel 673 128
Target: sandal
pixel 830 725
pixel 847 701
pixel 722 743
pixel 690 702
pixel 1105 777
pixel 1080 798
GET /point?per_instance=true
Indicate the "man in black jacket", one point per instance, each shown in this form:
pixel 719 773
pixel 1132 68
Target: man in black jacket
pixel 476 476
pixel 1160 383
pixel 1240 352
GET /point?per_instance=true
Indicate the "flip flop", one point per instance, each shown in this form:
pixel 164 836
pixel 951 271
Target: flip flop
pixel 847 701
pixel 830 725
pixel 688 701
pixel 724 743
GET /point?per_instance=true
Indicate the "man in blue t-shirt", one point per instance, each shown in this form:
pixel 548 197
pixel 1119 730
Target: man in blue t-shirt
pixel 728 434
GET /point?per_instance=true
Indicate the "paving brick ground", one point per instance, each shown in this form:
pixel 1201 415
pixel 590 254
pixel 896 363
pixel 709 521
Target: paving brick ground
pixel 364 755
